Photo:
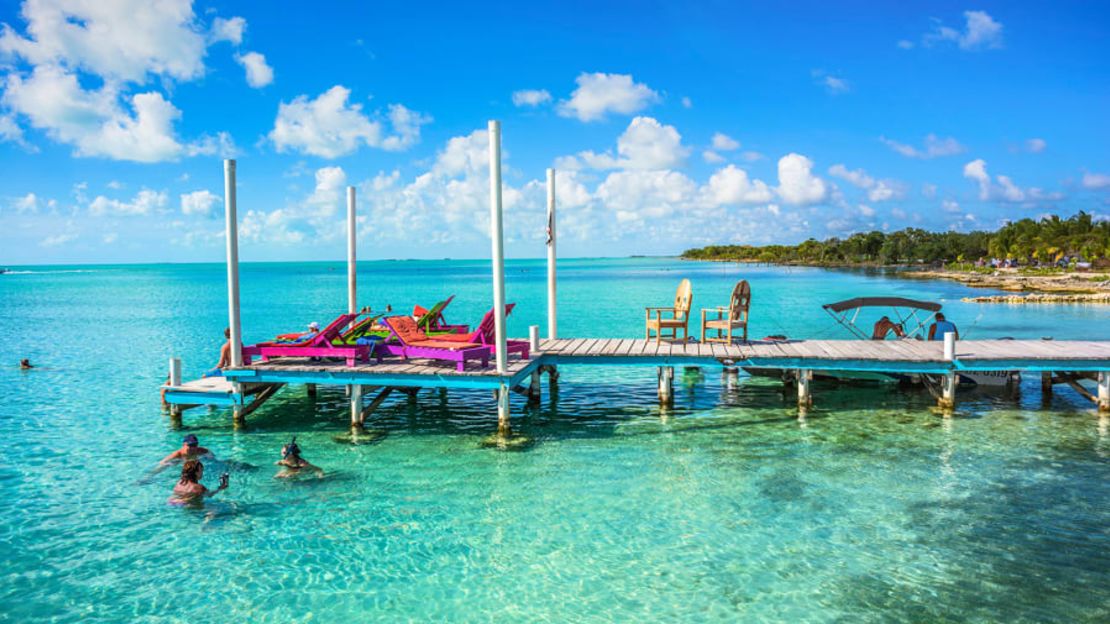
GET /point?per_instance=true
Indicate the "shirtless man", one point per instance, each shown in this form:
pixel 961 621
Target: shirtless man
pixel 225 357
pixel 884 327
pixel 190 449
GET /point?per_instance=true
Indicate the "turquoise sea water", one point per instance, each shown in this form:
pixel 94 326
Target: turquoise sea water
pixel 726 508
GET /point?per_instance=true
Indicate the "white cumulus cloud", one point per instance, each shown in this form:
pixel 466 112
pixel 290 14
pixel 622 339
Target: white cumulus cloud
pixel 980 31
pixel 598 94
pixel 259 74
pixel 797 184
pixel 645 144
pixel 531 97
pixel 934 147
pixel 1096 180
pixel 144 203
pixel 199 202
pixel 731 185
pixel 228 30
pixel 724 143
pixel 328 126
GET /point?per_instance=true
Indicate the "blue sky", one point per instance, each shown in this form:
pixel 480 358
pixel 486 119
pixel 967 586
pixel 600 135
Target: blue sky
pixel 671 124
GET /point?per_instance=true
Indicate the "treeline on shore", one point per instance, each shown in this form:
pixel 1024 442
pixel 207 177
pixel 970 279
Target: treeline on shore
pixel 1028 242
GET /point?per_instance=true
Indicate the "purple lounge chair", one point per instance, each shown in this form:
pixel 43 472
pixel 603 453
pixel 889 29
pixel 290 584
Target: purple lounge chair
pixel 412 342
pixel 483 335
pixel 319 345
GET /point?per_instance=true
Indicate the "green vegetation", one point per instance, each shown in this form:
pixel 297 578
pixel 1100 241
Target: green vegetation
pixel 1028 242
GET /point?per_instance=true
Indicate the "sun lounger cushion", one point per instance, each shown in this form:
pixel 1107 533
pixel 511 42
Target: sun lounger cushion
pixel 406 329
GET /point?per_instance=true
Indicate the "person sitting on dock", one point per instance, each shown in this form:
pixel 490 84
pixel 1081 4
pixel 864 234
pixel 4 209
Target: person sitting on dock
pixel 189 490
pixel 25 364
pixel 942 326
pixel 190 449
pixel 225 357
pixel 884 326
pixel 292 463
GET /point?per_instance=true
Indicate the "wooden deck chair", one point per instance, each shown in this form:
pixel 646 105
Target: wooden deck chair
pixel 654 318
pixel 735 316
pixel 432 320
pixel 412 342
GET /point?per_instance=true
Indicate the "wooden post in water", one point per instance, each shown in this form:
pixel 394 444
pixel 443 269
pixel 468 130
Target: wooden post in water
pixel 310 390
pixel 232 230
pixel 498 244
pixel 356 407
pixel 231 226
pixel 175 380
pixel 504 430
pixel 1046 383
pixel 947 399
pixel 666 385
pixel 804 376
pixel 1104 391
pixel 552 325
pixel 534 388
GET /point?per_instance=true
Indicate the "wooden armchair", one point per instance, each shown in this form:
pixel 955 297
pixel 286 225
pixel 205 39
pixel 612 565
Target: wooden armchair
pixel 679 315
pixel 735 316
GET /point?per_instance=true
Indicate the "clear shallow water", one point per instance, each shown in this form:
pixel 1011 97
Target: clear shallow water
pixel 728 507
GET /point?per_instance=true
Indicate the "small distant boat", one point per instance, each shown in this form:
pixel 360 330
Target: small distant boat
pixel 913 317
pixel 3 271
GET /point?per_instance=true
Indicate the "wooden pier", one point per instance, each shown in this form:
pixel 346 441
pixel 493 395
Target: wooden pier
pixel 247 386
pixel 1069 360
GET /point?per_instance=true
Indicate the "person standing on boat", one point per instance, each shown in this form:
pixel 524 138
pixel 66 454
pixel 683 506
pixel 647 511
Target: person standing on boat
pixel 884 326
pixel 942 326
pixel 225 357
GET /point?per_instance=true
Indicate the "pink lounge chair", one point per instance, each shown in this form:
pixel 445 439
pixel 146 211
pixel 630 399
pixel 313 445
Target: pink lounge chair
pixel 483 335
pixel 412 342
pixel 319 345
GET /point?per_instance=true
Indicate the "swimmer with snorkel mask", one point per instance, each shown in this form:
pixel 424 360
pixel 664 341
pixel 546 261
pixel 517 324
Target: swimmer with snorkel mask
pixel 292 463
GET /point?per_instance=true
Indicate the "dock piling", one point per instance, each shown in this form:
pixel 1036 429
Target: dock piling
pixel 232 229
pixel 552 332
pixel 947 398
pixel 504 430
pixel 534 388
pixel 1046 383
pixel 310 389
pixel 534 338
pixel 666 385
pixel 356 406
pixel 805 398
pixel 1104 391
pixel 498 246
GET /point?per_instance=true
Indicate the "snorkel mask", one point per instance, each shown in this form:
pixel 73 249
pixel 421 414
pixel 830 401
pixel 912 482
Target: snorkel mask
pixel 191 441
pixel 291 449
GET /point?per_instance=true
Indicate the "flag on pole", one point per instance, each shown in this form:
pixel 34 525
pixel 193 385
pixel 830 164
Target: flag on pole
pixel 550 226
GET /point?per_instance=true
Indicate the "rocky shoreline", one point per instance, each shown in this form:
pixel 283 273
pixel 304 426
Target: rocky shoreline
pixel 1047 288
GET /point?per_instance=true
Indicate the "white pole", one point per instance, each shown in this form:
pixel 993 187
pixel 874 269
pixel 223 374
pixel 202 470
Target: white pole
pixel 552 332
pixel 232 228
pixel 352 296
pixel 175 371
pixel 498 244
pixel 949 346
pixel 534 338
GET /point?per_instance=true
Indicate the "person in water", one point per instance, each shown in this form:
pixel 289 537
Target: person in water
pixel 292 463
pixel 190 449
pixel 25 364
pixel 225 357
pixel 188 488
pixel 942 326
pixel 884 326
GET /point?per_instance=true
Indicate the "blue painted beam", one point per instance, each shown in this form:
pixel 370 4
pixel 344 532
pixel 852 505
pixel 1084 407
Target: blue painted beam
pixel 203 398
pixel 345 378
